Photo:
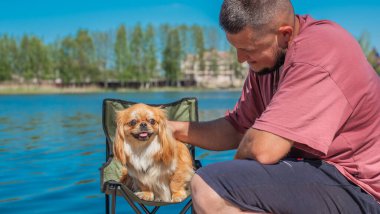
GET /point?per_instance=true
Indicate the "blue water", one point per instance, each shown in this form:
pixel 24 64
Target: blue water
pixel 51 148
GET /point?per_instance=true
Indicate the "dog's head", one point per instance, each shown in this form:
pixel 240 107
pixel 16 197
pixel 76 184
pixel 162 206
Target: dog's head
pixel 139 125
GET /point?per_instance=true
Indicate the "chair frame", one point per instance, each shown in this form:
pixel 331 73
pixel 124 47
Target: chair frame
pixel 112 189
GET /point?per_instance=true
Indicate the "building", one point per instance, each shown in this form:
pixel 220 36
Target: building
pixel 216 70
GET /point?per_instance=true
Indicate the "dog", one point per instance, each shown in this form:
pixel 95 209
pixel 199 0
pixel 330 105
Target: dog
pixel 155 165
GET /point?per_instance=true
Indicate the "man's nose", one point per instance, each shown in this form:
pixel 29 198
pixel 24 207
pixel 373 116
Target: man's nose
pixel 241 56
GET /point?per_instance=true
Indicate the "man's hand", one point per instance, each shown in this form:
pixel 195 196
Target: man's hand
pixel 265 147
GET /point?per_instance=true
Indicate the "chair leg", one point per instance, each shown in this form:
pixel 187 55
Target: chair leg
pixel 187 206
pixel 114 201
pixel 107 203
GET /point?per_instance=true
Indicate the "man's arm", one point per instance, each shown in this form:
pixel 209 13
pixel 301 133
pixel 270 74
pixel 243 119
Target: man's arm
pixel 215 135
pixel 265 147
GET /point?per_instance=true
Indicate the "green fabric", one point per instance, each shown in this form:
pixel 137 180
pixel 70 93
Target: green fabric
pixel 183 110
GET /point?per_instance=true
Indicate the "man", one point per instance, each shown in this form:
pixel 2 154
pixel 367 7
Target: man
pixel 307 124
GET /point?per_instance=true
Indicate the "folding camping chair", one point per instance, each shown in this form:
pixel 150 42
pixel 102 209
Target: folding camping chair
pixel 185 109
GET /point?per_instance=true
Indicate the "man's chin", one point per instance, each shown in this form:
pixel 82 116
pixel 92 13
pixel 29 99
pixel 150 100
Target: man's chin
pixel 265 71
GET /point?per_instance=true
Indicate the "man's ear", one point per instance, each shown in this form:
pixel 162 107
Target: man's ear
pixel 284 36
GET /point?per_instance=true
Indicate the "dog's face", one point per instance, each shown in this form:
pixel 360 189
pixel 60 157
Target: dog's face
pixel 140 123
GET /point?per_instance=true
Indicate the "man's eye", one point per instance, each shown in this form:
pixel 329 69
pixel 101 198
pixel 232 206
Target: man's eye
pixel 152 121
pixel 132 122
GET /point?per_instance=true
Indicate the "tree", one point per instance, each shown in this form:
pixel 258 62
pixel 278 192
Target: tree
pixel 40 62
pixel 149 60
pixel 184 37
pixel 171 62
pixel 85 55
pixel 103 54
pixel 67 65
pixel 122 55
pixel 374 60
pixel 8 57
pixel 199 45
pixel 214 57
pixel 25 65
pixel 33 59
pixel 365 42
pixel 137 50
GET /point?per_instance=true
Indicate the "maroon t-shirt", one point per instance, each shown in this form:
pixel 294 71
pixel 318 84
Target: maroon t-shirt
pixel 325 98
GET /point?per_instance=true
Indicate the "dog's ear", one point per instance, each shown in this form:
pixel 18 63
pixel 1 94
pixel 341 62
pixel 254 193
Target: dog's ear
pixel 166 139
pixel 118 147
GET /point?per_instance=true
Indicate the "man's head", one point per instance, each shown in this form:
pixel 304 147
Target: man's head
pixel 260 30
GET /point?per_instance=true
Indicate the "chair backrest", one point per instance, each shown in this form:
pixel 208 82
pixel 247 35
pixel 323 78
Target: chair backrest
pixel 185 109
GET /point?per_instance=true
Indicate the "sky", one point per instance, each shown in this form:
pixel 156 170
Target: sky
pixel 52 19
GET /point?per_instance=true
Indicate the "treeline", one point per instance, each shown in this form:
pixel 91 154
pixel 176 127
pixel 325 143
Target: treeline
pixel 139 54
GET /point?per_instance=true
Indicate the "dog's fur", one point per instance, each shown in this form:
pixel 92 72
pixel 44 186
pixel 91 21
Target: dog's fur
pixel 157 166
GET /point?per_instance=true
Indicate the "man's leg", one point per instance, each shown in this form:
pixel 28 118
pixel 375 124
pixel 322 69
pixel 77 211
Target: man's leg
pixel 206 200
pixel 287 187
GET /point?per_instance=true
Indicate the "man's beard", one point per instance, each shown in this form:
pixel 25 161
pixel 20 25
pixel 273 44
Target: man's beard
pixel 280 59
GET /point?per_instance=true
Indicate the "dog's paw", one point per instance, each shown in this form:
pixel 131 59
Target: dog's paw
pixel 179 196
pixel 147 196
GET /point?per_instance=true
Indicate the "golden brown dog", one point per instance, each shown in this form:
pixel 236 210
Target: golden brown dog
pixel 158 167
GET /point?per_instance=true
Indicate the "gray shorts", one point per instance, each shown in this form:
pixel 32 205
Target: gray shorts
pixel 291 186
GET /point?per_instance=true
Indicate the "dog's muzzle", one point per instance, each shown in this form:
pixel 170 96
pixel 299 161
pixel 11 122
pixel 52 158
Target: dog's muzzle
pixel 143 136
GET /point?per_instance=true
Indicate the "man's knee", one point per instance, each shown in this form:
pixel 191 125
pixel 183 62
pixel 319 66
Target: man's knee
pixel 203 194
pixel 197 186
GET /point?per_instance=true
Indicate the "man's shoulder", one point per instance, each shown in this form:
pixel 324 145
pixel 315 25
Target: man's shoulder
pixel 321 32
pixel 320 42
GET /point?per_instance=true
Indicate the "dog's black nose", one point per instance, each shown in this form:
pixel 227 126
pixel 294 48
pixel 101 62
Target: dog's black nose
pixel 143 125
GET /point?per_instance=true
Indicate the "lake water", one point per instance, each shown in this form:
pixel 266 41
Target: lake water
pixel 51 148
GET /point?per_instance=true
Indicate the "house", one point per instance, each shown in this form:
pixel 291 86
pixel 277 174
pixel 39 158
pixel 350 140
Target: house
pixel 216 70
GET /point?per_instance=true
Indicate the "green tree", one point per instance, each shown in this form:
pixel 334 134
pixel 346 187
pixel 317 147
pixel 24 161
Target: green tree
pixel 164 30
pixel 199 45
pixel 40 60
pixel 171 62
pixel 374 59
pixel 24 58
pixel 137 50
pixel 184 37
pixel 122 56
pixel 85 55
pixel 149 59
pixel 8 57
pixel 53 50
pixel 214 67
pixel 34 61
pixel 365 42
pixel 103 53
pixel 67 66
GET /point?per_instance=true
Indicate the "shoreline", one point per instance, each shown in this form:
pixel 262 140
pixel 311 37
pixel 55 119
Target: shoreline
pixel 40 90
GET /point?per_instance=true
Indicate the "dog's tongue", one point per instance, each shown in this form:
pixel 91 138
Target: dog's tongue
pixel 143 134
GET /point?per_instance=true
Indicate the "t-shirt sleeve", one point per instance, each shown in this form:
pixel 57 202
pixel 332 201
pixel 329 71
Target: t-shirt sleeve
pixel 247 109
pixel 308 108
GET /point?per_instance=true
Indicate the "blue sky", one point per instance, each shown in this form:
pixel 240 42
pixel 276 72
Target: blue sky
pixel 50 19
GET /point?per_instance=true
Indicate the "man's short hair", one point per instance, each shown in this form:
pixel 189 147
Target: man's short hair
pixel 258 14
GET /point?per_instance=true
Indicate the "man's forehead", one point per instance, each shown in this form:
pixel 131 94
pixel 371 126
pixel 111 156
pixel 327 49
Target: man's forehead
pixel 247 37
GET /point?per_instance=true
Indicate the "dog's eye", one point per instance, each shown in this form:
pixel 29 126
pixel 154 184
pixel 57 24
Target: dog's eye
pixel 152 121
pixel 132 122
